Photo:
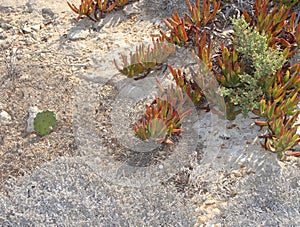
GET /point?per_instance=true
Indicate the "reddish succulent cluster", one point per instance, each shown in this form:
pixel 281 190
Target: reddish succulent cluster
pixel 164 116
pixel 279 107
pixel 144 59
pixel 280 90
pixel 279 97
pixel 277 25
pixel 96 8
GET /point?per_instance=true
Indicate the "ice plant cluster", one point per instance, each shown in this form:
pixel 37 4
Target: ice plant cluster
pixel 143 60
pixel 164 116
pixel 253 72
pixel 95 10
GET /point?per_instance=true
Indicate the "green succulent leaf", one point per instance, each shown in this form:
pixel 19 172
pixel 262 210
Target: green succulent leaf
pixel 44 122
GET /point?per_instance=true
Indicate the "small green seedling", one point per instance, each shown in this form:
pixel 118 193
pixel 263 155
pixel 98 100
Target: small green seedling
pixel 44 122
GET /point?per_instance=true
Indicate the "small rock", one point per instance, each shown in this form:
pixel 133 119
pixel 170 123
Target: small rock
pixel 4 44
pixel 78 34
pixel 47 13
pixel 3 35
pixel 6 9
pixel 217 225
pixel 36 27
pixel 35 37
pixel 26 30
pixel 30 7
pixel 224 136
pixel 32 112
pixel 5 118
pixel 6 26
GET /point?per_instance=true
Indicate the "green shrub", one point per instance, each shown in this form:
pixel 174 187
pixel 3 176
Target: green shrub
pixel 264 61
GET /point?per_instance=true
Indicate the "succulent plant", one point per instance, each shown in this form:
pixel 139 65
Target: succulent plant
pixel 280 111
pixel 231 68
pixel 178 30
pixel 277 25
pixel 189 86
pixel 204 48
pixel 86 8
pixel 164 116
pixel 289 3
pixel 184 29
pixel 143 60
pixel 96 7
pixel 44 122
pixel 202 15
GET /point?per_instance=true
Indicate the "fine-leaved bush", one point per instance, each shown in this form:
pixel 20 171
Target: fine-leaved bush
pixel 264 61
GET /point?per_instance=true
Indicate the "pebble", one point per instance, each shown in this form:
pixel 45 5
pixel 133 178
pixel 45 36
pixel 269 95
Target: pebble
pixel 32 112
pixel 26 30
pixel 47 13
pixel 6 26
pixel 4 44
pixel 34 36
pixel 3 35
pixel 5 118
pixel 36 27
pixel 224 136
